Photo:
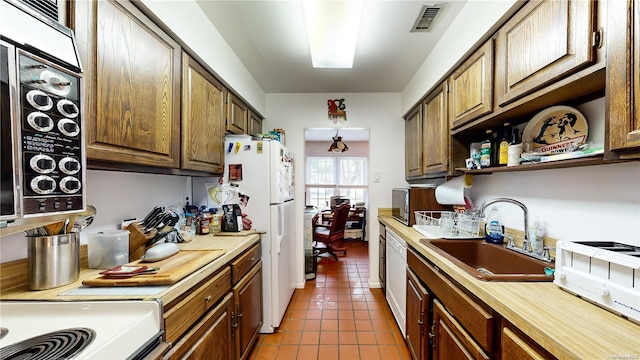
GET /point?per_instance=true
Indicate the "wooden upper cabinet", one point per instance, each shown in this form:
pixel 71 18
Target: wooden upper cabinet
pixel 471 87
pixel 203 116
pixel 413 143
pixel 237 115
pixel 435 132
pixel 255 123
pixel 623 77
pixel 132 71
pixel 542 43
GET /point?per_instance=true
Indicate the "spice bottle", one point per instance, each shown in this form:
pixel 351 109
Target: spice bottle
pixel 485 150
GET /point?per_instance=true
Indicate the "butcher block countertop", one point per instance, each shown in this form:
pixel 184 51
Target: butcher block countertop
pixel 232 245
pixel 567 326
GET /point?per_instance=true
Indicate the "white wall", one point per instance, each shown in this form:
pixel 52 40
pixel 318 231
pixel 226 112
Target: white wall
pixel 380 113
pixel 116 196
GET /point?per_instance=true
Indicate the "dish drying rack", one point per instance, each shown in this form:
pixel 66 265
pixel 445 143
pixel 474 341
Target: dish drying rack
pixel 447 225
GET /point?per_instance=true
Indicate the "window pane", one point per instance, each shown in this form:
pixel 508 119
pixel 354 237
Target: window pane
pixel 353 171
pixel 321 170
pixel 319 197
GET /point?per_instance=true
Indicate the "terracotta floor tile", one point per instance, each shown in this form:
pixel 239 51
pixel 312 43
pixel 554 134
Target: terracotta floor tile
pixel 330 314
pixel 310 337
pixel 298 314
pixel 314 314
pixel 336 316
pixel 291 337
pixel 384 338
pixel 287 352
pixel 275 338
pixel 349 352
pixel 292 325
pixel 364 325
pixel 345 314
pixel 366 338
pixel 328 337
pixel 329 352
pixel 266 352
pixel 389 352
pixel 346 325
pixel 369 352
pixel 312 325
pixel 329 325
pixel 308 352
pixel 361 314
pixel 348 337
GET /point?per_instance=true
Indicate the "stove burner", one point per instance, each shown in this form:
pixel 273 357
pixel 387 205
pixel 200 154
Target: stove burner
pixel 61 344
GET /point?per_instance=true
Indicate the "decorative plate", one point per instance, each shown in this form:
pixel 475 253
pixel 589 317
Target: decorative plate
pixel 555 129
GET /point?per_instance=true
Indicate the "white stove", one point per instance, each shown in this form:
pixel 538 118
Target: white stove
pixel 79 330
pixel 604 273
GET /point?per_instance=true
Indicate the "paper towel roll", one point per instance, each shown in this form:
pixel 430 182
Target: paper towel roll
pixel 451 192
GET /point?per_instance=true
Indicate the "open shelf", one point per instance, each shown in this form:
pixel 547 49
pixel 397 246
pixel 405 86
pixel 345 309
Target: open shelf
pixel 561 164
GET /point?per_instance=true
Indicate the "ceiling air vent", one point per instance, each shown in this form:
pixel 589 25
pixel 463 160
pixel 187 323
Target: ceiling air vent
pixel 427 17
pixel 47 8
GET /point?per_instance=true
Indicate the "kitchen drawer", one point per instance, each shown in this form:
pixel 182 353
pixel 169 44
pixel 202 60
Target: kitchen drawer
pixel 475 318
pixel 243 263
pixel 200 299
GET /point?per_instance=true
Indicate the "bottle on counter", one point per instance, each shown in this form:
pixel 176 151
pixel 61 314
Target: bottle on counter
pixel 503 145
pixel 485 150
pixel 493 228
pixel 515 149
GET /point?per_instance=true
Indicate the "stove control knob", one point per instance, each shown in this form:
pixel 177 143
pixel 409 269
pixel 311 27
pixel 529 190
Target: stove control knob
pixel 68 108
pixel 69 185
pixel 603 291
pixel 69 165
pixel 42 164
pixel 68 127
pixel 39 100
pixel 40 121
pixel 43 184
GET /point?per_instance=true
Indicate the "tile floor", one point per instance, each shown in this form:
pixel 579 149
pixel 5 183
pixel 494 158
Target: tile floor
pixel 336 316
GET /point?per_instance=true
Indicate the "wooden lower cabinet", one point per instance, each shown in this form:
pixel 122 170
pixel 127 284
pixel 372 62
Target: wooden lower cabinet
pixel 451 341
pixel 220 317
pixel 518 346
pixel 210 338
pixel 418 329
pixel 247 294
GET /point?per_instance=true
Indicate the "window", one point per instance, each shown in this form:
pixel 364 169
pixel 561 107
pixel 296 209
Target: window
pixel 330 176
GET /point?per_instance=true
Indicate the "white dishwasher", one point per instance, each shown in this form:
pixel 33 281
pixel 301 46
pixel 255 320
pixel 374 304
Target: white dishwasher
pixel 396 278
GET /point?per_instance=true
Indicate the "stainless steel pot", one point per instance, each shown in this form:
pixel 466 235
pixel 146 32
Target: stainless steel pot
pixel 53 261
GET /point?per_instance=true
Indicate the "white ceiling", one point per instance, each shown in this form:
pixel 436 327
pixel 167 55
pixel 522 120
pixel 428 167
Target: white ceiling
pixel 270 39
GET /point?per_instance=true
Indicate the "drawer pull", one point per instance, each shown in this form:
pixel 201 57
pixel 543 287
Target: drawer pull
pixel 252 259
pixel 207 298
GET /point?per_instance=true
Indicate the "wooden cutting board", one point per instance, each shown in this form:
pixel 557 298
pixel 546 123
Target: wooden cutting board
pixel 172 269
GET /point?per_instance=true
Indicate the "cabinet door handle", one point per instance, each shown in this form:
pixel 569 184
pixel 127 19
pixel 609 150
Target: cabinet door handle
pixel 207 298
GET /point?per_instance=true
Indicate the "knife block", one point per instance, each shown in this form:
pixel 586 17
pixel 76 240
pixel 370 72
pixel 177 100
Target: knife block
pixel 138 240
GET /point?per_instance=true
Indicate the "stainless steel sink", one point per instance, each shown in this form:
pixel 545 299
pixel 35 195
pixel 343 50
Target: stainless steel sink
pixel 490 262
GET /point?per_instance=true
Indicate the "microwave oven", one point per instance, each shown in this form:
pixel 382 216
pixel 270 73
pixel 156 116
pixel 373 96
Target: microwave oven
pixel 405 201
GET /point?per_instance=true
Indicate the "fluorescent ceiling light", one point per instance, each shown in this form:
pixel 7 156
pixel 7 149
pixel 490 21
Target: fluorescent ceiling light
pixel 332 27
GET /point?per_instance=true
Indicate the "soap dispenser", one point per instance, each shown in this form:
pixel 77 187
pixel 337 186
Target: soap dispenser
pixel 493 228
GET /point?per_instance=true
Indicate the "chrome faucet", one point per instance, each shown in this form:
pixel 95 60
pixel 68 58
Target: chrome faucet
pixel 486 204
pixel 526 245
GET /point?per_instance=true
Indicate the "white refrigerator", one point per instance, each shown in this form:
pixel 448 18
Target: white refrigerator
pixel 263 171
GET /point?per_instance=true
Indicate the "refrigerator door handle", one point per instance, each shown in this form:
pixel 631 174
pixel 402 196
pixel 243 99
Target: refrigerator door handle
pixel 280 232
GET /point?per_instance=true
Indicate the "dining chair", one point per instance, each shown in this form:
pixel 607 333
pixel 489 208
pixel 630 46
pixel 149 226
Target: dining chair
pixel 327 236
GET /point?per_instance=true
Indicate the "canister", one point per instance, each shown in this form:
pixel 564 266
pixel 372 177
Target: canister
pixel 52 261
pixel 107 249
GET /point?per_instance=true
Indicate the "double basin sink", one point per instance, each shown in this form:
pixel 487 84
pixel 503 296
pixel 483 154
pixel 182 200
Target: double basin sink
pixel 490 262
